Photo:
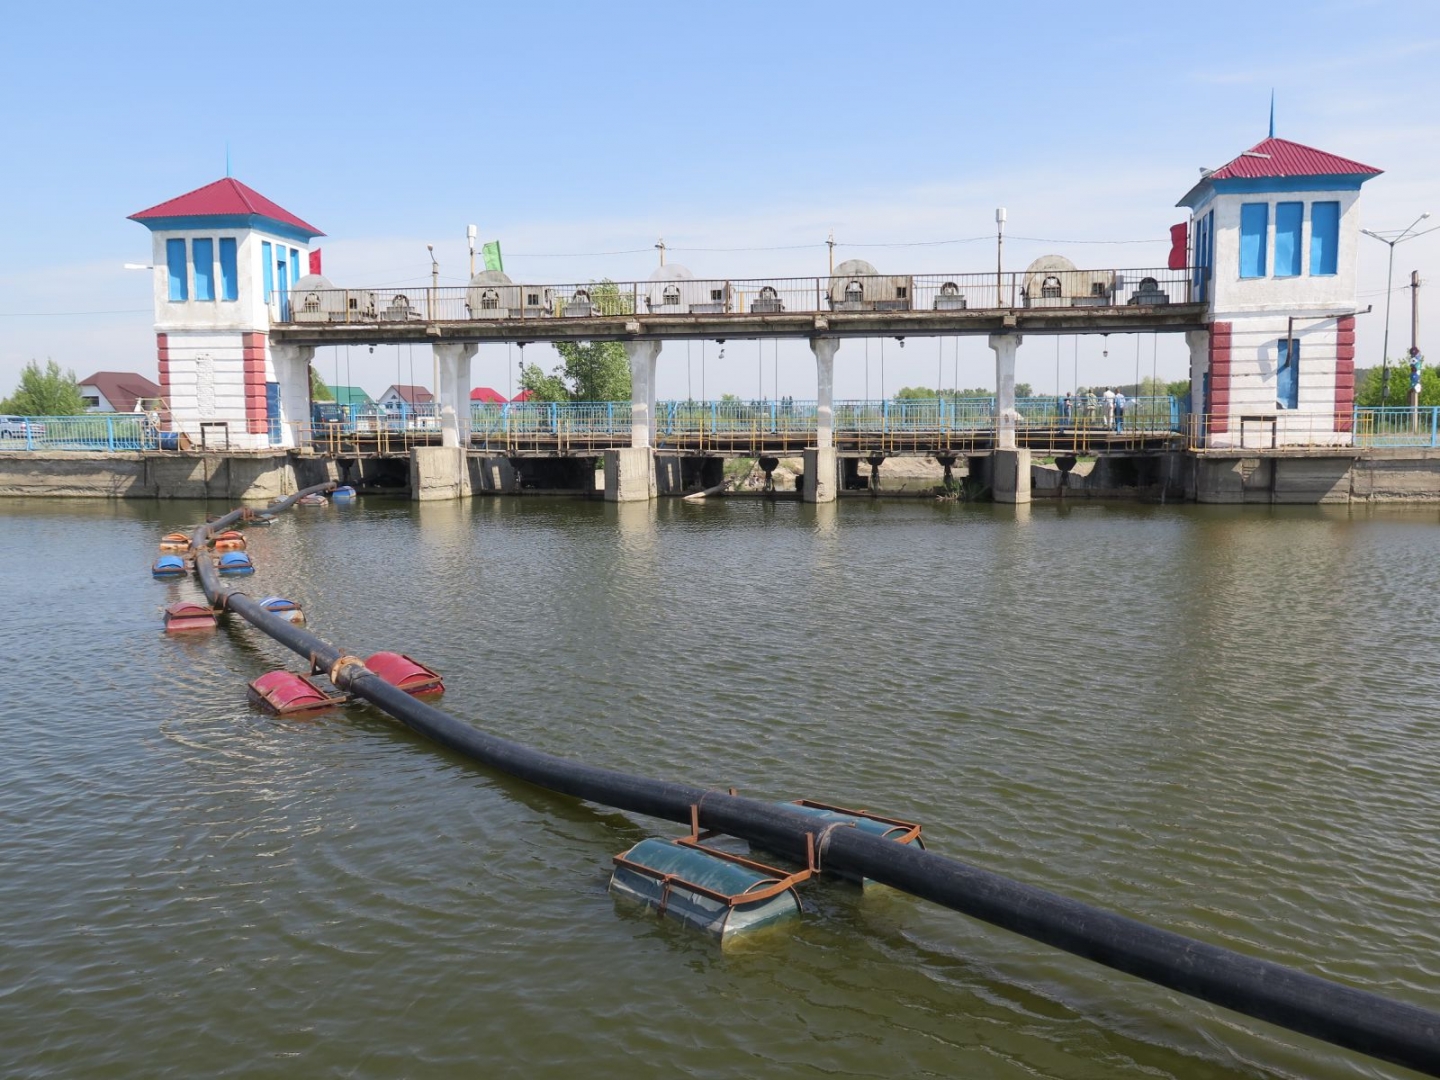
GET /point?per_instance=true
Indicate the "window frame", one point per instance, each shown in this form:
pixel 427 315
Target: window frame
pixel 1296 210
pixel 176 256
pixel 204 274
pixel 1259 233
pixel 1318 252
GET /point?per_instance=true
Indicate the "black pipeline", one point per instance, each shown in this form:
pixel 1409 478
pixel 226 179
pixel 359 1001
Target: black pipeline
pixel 1355 1019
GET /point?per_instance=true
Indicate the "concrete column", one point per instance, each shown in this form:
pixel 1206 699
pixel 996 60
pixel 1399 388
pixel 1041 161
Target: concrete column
pixel 642 356
pixel 1005 346
pixel 292 372
pixel 453 393
pixel 1010 476
pixel 821 475
pixel 1199 343
pixel 629 474
pixel 824 349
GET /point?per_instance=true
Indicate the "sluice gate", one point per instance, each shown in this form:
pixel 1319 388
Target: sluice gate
pixel 714 890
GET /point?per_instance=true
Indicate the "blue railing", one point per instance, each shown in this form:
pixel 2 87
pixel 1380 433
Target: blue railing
pixel 1397 425
pixel 95 431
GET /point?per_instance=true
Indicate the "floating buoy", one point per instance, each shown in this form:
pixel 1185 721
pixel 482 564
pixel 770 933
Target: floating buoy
pixel 229 540
pixel 901 832
pixel 186 616
pixel 168 566
pixel 409 675
pixel 235 563
pixel 313 499
pixel 285 609
pixel 175 543
pixel 343 494
pixel 285 693
pixel 710 890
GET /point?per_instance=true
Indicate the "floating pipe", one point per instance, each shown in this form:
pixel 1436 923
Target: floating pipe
pixel 1357 1020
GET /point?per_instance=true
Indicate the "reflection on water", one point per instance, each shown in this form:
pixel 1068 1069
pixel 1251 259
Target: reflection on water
pixel 1219 721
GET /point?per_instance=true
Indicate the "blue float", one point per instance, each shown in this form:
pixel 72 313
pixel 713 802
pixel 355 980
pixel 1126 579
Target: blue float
pixel 168 566
pixel 235 563
pixel 285 609
pixel 713 891
pixel 343 494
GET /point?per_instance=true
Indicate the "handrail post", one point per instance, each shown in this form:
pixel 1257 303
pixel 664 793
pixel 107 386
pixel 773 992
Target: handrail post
pixel 110 433
pixel 1434 420
pixel 29 436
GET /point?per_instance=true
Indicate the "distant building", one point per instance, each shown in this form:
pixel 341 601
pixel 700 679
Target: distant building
pixel 410 398
pixel 1273 239
pixel 484 395
pixel 352 396
pixel 119 391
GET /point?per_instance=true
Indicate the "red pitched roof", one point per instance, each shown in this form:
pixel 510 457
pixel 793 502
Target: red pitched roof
pixel 225 198
pixel 487 396
pixel 1280 157
pixel 122 389
pixel 411 395
pixel 522 396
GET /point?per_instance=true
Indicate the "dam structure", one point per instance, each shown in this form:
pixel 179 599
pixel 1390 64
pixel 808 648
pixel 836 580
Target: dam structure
pixel 1261 281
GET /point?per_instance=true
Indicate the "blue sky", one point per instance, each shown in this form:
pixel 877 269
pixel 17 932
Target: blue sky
pixel 577 128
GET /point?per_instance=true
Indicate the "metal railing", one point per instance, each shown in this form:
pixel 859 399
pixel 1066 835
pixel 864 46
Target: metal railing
pixel 1365 427
pixel 92 432
pixel 1398 425
pixel 501 301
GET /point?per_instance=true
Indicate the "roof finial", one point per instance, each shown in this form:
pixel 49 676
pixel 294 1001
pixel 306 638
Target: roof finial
pixel 1272 112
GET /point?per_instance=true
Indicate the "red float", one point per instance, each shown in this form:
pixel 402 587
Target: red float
pixel 186 616
pixel 229 540
pixel 409 675
pixel 284 693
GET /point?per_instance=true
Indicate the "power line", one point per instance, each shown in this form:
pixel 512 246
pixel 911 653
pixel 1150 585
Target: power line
pixel 65 314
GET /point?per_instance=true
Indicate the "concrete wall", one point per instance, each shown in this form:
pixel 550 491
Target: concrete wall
pixel 1371 476
pixel 160 475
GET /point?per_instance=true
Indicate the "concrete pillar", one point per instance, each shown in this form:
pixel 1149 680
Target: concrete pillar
pixel 1010 476
pixel 292 372
pixel 642 356
pixel 629 474
pixel 821 474
pixel 824 349
pixel 1005 346
pixel 1199 343
pixel 453 393
pixel 438 472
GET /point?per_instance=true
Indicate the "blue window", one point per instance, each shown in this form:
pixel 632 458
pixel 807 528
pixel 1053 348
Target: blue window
pixel 294 266
pixel 202 253
pixel 1324 237
pixel 268 269
pixel 1288 218
pixel 1254 224
pixel 1287 374
pixel 229 279
pixel 175 263
pixel 1204 254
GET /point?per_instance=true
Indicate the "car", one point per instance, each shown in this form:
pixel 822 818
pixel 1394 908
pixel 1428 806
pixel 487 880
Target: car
pixel 14 427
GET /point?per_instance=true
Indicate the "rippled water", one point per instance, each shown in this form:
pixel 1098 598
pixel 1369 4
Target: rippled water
pixel 1221 721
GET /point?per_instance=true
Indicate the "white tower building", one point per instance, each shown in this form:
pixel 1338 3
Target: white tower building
pixel 1273 240
pixel 225 259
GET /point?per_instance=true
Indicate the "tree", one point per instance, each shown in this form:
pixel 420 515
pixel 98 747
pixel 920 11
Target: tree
pixel 51 392
pixel 596 370
pixel 543 387
pixel 1369 385
pixel 1024 389
pixel 319 391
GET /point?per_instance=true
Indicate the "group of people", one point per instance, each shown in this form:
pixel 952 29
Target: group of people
pixel 1114 407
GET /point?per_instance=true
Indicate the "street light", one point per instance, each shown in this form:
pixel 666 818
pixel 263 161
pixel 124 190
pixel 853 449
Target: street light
pixel 999 255
pixel 1389 282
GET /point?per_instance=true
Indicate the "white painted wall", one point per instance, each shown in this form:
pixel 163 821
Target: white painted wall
pixel 249 311
pixel 207 384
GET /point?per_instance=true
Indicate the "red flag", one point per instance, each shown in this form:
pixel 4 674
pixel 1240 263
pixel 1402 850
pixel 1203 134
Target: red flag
pixel 1179 235
pixel 315 261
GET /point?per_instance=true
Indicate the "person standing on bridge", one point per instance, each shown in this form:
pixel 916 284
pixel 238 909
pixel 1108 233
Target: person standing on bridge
pixel 1120 412
pixel 1109 406
pixel 1069 407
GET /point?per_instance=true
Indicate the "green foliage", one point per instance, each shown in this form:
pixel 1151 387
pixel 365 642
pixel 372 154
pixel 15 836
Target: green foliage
pixel 543 387
pixel 1180 388
pixel 1369 385
pixel 595 370
pixel 924 393
pixel 609 300
pixel 319 390
pixel 51 392
pixel 1024 389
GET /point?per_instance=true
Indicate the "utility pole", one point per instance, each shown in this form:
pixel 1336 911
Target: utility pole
pixel 999 256
pixel 660 247
pixel 470 233
pixel 1416 357
pixel 830 243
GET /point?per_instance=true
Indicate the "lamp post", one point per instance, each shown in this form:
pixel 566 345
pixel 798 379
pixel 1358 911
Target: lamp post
pixel 999 255
pixel 434 356
pixel 470 234
pixel 1405 234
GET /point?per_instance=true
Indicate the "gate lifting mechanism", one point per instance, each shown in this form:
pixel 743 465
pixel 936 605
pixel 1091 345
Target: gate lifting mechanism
pixel 721 893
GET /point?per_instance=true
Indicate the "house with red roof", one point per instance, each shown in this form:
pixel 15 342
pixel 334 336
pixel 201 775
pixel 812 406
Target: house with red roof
pixel 226 258
pixel 1273 240
pixel 119 391
pixel 484 395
